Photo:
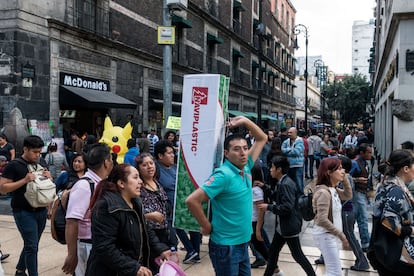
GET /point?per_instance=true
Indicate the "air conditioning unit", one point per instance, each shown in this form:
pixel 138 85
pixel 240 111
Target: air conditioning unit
pixel 177 4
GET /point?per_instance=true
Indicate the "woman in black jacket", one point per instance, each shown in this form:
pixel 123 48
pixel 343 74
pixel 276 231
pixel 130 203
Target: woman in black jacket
pixel 288 221
pixel 121 242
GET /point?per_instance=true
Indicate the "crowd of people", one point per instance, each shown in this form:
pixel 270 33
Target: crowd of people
pixel 119 216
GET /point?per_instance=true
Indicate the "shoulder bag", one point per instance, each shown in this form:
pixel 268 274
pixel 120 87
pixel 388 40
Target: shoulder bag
pixel 41 191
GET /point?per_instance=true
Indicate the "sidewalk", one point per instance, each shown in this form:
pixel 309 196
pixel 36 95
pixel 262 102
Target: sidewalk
pixel 52 254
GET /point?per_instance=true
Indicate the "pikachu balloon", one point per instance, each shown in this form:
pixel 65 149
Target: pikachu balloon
pixel 116 138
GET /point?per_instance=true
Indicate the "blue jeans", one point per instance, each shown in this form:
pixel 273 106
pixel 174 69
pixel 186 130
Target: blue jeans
pixel 230 260
pixel 306 166
pixel 312 160
pixel 30 226
pixel 297 175
pixel 359 201
pixel 348 221
pixel 190 244
pixel 173 234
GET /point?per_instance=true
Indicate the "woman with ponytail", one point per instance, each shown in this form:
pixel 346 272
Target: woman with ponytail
pixel 391 249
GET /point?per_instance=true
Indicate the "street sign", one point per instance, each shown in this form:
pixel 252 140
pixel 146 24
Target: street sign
pixel 166 35
pixel 174 122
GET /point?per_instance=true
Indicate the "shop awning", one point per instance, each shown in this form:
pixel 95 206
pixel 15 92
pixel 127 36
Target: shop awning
pixel 238 6
pixel 268 117
pixel 160 101
pixel 82 97
pixel 237 113
pixel 214 39
pixel 181 22
pixel 237 53
pixel 252 115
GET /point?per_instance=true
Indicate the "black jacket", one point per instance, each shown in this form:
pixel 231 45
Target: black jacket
pixel 121 242
pixel 284 197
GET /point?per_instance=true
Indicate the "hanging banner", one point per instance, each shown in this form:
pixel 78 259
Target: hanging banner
pixel 202 134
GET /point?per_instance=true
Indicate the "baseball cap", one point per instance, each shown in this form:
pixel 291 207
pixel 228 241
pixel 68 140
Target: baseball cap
pixel 3 158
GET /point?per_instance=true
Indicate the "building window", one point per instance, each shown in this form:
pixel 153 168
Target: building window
pixel 256 6
pixel 236 68
pixel 238 8
pixel 212 40
pixel 179 53
pixel 236 55
pixel 254 74
pixel 287 20
pixel 212 7
pixel 276 10
pixel 91 17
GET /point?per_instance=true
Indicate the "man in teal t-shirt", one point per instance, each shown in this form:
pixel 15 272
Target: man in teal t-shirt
pixel 230 191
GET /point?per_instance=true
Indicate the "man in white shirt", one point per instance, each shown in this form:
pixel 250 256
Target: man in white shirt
pixel 351 140
pixel 78 224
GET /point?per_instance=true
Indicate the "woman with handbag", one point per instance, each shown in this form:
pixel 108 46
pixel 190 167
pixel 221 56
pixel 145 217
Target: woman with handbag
pixel 391 249
pixel 327 206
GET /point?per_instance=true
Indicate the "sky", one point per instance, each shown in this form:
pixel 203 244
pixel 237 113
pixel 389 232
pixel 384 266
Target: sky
pixel 329 24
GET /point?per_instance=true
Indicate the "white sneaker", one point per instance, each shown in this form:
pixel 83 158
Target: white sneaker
pixel 280 273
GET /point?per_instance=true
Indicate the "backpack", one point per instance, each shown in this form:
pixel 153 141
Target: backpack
pixel 58 213
pixel 304 204
pixel 41 191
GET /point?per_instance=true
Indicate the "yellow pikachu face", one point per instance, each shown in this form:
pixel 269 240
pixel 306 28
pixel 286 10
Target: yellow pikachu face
pixel 116 138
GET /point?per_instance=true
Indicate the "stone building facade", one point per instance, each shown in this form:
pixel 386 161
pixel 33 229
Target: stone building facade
pixel 392 67
pixel 74 62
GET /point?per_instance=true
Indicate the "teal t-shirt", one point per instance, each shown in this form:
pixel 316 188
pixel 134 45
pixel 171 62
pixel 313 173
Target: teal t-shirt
pixel 231 200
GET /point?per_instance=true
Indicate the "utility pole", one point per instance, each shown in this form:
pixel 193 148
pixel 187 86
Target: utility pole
pixel 167 68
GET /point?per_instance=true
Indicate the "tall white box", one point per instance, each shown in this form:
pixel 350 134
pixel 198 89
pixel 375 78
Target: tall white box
pixel 202 134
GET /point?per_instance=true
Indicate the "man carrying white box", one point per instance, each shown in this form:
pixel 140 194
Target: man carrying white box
pixel 229 190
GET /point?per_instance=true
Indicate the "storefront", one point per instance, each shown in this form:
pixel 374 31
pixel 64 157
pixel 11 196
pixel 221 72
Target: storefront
pixel 84 102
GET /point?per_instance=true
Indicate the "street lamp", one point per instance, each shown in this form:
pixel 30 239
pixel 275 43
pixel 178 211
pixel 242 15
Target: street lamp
pixel 321 77
pixel 259 86
pixel 335 94
pixel 298 29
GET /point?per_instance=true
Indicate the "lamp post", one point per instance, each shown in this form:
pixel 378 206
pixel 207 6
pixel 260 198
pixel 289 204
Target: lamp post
pixel 335 94
pixel 259 86
pixel 320 75
pixel 299 28
pixel 167 68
